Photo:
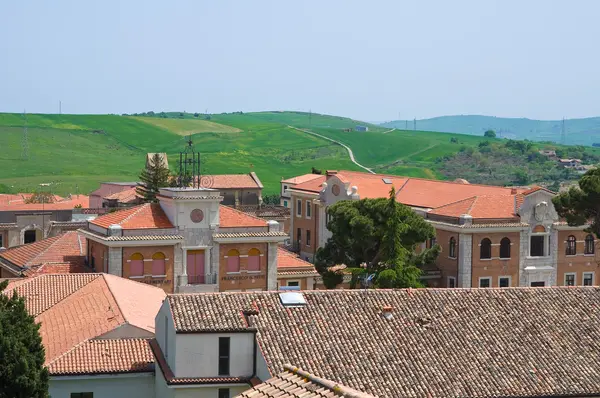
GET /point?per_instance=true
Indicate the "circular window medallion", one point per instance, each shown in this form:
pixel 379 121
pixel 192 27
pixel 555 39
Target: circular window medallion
pixel 335 189
pixel 197 215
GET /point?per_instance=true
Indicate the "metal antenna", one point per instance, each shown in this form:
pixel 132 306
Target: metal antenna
pixel 25 140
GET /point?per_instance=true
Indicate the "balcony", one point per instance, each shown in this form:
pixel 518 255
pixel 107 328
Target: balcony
pixel 200 284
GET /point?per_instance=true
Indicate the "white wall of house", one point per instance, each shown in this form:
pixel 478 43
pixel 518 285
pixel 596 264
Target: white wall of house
pixel 208 392
pixel 262 370
pixel 161 388
pixel 197 355
pixel 165 334
pixel 104 386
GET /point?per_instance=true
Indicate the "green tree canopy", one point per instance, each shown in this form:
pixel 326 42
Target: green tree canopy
pixel 22 371
pixel 153 177
pixel 378 234
pixel 580 205
pixel 490 134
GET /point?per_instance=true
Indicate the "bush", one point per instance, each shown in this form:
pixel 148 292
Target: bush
pixel 387 279
pixel 490 134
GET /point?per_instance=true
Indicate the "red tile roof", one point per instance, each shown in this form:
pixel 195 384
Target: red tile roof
pixel 232 218
pixel 288 259
pixel 301 179
pixel 105 356
pixel 129 195
pixel 229 181
pixel 62 204
pixel 146 216
pixel 65 251
pixel 314 186
pixel 75 309
pixel 488 207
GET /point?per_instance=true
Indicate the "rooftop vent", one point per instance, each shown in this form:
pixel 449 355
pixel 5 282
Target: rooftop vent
pixel 292 299
pixel 387 181
pixel 386 311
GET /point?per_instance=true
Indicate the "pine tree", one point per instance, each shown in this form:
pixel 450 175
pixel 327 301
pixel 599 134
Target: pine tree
pixel 153 177
pixel 22 356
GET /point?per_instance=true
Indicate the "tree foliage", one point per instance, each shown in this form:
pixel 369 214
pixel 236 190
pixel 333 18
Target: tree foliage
pixel 153 177
pixel 580 205
pixel 490 134
pixel 22 356
pixel 379 235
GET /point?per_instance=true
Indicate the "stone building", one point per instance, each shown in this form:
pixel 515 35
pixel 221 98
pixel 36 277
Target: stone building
pixel 489 236
pixel 188 242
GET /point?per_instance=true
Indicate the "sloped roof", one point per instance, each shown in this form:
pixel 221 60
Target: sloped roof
pixel 62 204
pixel 75 309
pixel 288 259
pixel 231 218
pixel 314 185
pixel 295 383
pixel 438 342
pixel 146 216
pixel 301 179
pixel 129 195
pixel 484 206
pixel 67 250
pixel 230 181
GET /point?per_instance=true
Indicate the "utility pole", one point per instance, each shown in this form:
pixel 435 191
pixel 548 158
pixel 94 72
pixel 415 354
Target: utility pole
pixel 25 140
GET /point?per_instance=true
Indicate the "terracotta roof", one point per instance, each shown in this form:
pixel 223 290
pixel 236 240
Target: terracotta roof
pixel 62 204
pixel 131 238
pixel 105 356
pixel 484 206
pixel 265 211
pixel 250 235
pixel 127 196
pixel 146 216
pixel 232 218
pixel 301 179
pixel 171 379
pixel 67 249
pixel 438 342
pixel 313 186
pixel 74 309
pixel 535 189
pixel 228 181
pixel 371 185
pixel 288 259
pixel 294 383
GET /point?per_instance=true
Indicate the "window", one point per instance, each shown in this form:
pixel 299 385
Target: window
pixel 254 260
pixel 588 279
pixel 538 284
pixel 308 209
pixel 589 244
pixel 223 356
pixel 571 246
pixel 451 281
pixel 505 248
pixel 285 203
pixel 233 261
pixel 299 236
pixel 569 279
pixel 285 188
pixel 504 281
pixel 485 282
pixel 308 237
pixel 158 264
pixel 452 248
pixel 432 242
pixel 82 395
pixel 1 236
pixel 536 248
pixel 223 393
pixel 299 208
pixel 29 236
pixel 485 249
pixel 293 283
pixel 136 265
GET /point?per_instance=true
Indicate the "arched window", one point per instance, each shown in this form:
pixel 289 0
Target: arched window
pixel 505 248
pixel 136 265
pixel 485 250
pixel 158 264
pixel 254 260
pixel 233 261
pixel 589 244
pixel 571 246
pixel 452 248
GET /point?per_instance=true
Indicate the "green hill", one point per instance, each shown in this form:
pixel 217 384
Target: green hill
pixel 77 152
pixel 577 131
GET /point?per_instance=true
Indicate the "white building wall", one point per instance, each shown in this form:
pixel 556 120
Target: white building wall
pixel 197 354
pixel 207 392
pixel 105 386
pixel 161 388
pixel 165 334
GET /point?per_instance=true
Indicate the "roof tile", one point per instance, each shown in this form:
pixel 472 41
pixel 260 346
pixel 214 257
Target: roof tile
pixel 232 218
pixel 146 216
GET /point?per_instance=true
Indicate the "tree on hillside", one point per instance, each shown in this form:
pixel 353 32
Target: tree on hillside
pixel 490 134
pixel 379 235
pixel 22 356
pixel 153 177
pixel 316 171
pixel 580 205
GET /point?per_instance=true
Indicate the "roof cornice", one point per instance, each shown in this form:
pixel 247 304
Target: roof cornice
pixel 140 240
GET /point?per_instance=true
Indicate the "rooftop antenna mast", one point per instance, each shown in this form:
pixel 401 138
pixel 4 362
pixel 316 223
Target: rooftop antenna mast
pixel 25 140
pixel 189 166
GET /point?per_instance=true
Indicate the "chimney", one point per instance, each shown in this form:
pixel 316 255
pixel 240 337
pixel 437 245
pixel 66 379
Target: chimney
pixel 513 191
pixel 386 311
pixel 273 226
pixel 331 172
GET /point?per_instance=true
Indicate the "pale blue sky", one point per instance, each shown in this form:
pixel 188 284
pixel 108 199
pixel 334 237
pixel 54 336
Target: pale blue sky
pixel 364 59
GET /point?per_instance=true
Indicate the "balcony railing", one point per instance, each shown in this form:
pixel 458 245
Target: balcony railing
pixel 206 279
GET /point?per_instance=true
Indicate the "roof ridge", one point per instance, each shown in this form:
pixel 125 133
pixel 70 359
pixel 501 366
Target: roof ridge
pixel 68 295
pixel 67 352
pixel 56 239
pixel 475 199
pixel 139 208
pixel 115 297
pixel 456 202
pixel 337 388
pixel 402 186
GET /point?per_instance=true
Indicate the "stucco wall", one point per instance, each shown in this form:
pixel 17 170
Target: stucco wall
pixel 305 224
pixel 134 385
pixel 165 283
pixel 577 264
pixel 165 334
pixel 244 279
pixel 99 253
pixel 448 266
pixel 196 354
pixel 495 267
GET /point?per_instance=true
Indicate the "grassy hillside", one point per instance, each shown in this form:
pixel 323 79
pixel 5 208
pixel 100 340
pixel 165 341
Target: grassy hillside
pixel 77 152
pixel 578 131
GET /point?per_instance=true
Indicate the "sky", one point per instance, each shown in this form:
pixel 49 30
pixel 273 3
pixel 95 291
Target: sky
pixel 375 60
